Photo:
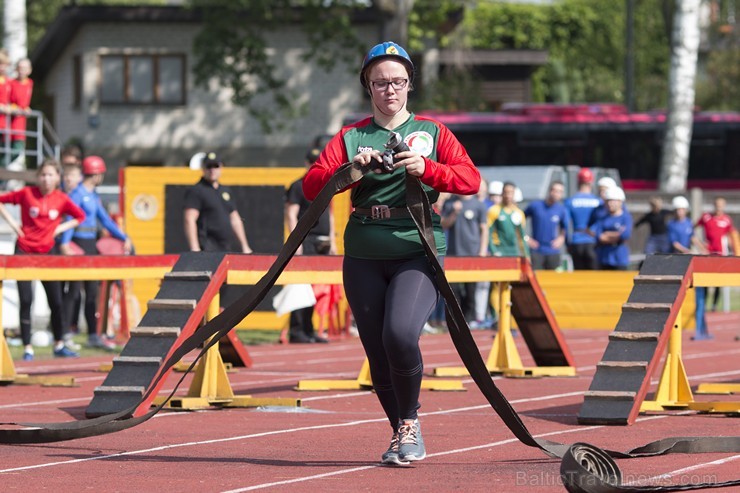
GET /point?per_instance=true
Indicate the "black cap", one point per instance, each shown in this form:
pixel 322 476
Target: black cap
pixel 211 158
pixel 313 155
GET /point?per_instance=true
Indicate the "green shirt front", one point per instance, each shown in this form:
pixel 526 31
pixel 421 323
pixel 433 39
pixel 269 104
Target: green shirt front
pixel 393 238
pixel 507 227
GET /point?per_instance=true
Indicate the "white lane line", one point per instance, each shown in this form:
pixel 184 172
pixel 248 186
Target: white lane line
pixel 264 434
pixel 436 454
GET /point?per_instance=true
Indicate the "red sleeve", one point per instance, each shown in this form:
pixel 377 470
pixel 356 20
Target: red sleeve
pixel 455 171
pixel 702 220
pixel 332 157
pixel 12 197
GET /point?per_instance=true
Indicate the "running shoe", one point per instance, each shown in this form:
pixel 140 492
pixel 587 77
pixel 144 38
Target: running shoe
pixel 65 352
pixel 95 341
pixel 411 447
pixel 390 456
pixel 28 356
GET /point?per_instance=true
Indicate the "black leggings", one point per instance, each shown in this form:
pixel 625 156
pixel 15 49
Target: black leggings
pixel 73 296
pixel 53 295
pixel 391 301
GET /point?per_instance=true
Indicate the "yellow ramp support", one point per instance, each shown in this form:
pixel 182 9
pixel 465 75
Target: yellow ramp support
pixel 674 390
pixel 365 382
pixel 718 388
pixel 504 357
pixel 7 368
pixel 210 386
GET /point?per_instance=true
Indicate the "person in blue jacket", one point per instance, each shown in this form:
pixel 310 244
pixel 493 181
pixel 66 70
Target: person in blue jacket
pixel 85 236
pixel 581 244
pixel 612 232
pixel 549 220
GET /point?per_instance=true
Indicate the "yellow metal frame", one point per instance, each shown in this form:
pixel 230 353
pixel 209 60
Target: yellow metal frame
pixel 674 390
pixel 211 387
pixel 504 357
pixel 8 372
pixel 365 382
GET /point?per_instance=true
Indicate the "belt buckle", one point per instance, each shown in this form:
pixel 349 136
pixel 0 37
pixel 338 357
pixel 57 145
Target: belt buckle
pixel 380 212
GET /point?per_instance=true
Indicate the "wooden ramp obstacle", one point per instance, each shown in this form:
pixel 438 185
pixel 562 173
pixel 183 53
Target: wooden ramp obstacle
pixel 186 295
pixel 58 268
pixel 649 325
pixel 520 297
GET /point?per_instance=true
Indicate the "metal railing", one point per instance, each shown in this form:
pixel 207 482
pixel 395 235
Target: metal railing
pixel 41 141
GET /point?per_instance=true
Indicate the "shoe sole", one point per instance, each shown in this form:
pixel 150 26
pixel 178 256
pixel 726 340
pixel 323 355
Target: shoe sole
pixel 412 458
pixel 394 461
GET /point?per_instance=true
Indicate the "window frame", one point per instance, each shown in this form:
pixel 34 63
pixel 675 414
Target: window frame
pixel 155 57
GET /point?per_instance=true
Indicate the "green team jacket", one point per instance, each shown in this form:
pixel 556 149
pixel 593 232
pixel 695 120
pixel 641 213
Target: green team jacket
pixel 448 169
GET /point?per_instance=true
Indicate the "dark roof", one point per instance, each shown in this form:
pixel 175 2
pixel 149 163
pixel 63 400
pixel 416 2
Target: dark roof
pixel 71 18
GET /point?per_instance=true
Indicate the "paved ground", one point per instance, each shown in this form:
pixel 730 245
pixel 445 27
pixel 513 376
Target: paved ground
pixel 335 440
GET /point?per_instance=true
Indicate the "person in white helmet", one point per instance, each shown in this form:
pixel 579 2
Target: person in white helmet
pixel 612 232
pixel 681 229
pixel 604 184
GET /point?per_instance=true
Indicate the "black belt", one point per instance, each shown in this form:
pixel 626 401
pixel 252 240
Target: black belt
pixel 383 212
pixel 584 468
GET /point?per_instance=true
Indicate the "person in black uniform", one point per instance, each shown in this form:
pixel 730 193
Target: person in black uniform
pixel 211 219
pixel 320 241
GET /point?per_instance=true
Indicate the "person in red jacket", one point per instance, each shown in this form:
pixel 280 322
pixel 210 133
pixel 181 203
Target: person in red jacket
pixel 387 278
pixel 21 89
pixel 43 209
pixel 4 105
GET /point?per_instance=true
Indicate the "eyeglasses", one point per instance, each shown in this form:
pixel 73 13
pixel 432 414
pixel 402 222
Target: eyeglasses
pixel 382 85
pixel 213 166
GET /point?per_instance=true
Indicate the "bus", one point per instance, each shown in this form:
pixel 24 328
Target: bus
pixel 598 135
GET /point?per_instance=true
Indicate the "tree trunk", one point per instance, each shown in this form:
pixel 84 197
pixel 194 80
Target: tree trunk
pixel 674 166
pixel 396 26
pixel 14 24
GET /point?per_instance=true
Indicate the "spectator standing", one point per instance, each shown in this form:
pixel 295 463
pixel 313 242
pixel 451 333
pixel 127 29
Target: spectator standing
pixel 718 228
pixel 549 220
pixel 605 183
pixel 681 229
pixel 656 219
pixel 211 219
pixel 21 90
pixel 85 236
pixel 4 106
pixel 44 208
pixel 320 241
pixel 580 206
pixel 507 226
pixel 387 277
pixel 495 189
pixel 464 217
pixel 612 232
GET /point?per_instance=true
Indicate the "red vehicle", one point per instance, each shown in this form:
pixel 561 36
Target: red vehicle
pixel 599 135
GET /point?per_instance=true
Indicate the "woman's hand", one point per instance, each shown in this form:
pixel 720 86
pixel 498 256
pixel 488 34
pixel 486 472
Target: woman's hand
pixel 412 161
pixel 366 158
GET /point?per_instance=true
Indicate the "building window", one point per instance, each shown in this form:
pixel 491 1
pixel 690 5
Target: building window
pixel 142 79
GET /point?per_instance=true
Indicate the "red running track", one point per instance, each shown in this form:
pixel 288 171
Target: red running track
pixel 334 442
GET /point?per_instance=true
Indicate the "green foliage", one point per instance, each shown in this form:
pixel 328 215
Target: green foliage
pixel 717 87
pixel 232 48
pixel 585 41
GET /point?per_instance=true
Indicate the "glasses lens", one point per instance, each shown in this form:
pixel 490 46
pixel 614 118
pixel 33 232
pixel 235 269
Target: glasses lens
pixel 213 166
pixel 382 85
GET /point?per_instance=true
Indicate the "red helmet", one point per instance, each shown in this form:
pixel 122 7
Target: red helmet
pixel 93 165
pixel 585 176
